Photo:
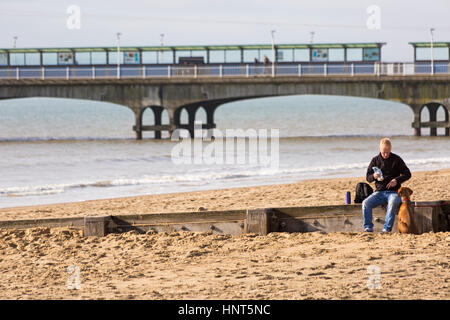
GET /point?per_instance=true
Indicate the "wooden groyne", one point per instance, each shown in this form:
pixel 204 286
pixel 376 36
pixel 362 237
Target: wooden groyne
pixel 431 216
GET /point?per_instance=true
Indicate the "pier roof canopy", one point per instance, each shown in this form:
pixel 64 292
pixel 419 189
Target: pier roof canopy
pixel 195 47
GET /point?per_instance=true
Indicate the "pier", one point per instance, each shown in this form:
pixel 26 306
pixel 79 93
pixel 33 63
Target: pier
pixel 174 79
pixel 176 94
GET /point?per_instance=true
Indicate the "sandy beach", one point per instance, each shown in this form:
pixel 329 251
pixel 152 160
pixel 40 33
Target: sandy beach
pixel 183 265
pixel 34 262
pixel 427 186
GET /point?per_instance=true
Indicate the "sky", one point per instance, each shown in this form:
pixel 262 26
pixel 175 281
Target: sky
pixel 44 23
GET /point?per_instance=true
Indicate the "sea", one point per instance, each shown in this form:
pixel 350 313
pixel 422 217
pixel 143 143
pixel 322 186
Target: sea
pixel 63 150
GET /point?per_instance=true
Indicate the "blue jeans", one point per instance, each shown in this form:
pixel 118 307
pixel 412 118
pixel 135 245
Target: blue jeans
pixel 377 198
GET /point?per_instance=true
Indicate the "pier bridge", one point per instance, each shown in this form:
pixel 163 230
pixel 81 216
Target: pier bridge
pixel 175 94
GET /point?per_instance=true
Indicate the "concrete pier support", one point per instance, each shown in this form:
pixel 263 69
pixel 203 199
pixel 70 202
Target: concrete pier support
pixel 157 127
pixel 192 111
pixel 433 111
pixel 433 124
pixel 210 109
pixel 191 116
pixel 171 126
pixel 157 112
pixel 416 122
pixel 138 123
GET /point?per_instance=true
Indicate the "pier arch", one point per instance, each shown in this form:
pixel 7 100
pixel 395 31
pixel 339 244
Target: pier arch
pixel 437 116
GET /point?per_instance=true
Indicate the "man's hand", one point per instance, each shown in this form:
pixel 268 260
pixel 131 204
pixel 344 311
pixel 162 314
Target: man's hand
pixel 376 175
pixel 391 184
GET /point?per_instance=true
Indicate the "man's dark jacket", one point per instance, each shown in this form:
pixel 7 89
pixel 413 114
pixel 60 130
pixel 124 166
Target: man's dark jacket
pixel 393 168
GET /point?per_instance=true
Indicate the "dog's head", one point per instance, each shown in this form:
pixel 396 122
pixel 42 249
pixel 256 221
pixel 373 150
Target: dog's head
pixel 404 192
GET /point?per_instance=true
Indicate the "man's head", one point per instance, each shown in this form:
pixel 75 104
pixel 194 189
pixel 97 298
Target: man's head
pixel 385 147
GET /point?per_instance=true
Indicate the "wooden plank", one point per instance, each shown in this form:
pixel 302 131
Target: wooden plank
pixel 322 211
pixel 50 223
pixel 431 216
pixel 337 223
pixel 181 217
pixel 230 227
pixel 96 226
pixel 257 221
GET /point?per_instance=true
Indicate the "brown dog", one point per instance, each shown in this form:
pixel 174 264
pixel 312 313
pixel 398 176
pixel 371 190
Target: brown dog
pixel 406 222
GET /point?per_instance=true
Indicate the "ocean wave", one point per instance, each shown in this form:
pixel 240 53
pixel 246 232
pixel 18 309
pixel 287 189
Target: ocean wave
pixel 207 177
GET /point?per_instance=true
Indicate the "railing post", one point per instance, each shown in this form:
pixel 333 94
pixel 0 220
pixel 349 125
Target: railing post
pixel 67 73
pixel 299 70
pixel 247 71
pixel 353 69
pixel 93 72
pixel 168 71
pixel 221 71
pixel 42 73
pixel 195 71
pixel 404 69
pixel 325 69
pixel 143 72
pixel 17 73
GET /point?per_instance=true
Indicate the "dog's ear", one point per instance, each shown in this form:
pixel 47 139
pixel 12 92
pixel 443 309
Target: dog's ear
pixel 400 191
pixel 410 191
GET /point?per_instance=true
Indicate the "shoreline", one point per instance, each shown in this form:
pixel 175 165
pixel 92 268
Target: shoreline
pixel 427 185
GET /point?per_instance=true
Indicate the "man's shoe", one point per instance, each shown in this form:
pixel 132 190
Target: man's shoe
pixel 368 230
pixel 385 231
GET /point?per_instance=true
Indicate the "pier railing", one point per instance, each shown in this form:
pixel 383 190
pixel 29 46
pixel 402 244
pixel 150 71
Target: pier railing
pixel 224 71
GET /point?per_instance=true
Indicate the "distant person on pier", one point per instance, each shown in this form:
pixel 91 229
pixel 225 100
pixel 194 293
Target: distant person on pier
pixel 266 65
pixel 255 68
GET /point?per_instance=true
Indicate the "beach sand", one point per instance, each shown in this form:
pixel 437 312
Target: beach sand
pixel 427 186
pixel 183 265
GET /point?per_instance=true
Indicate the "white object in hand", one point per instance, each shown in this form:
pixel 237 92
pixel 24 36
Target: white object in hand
pixel 378 170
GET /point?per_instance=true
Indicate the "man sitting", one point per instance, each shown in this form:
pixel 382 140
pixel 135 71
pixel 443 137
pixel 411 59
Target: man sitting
pixel 394 173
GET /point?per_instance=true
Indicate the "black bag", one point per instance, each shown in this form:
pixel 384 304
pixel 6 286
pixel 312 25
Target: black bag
pixel 363 190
